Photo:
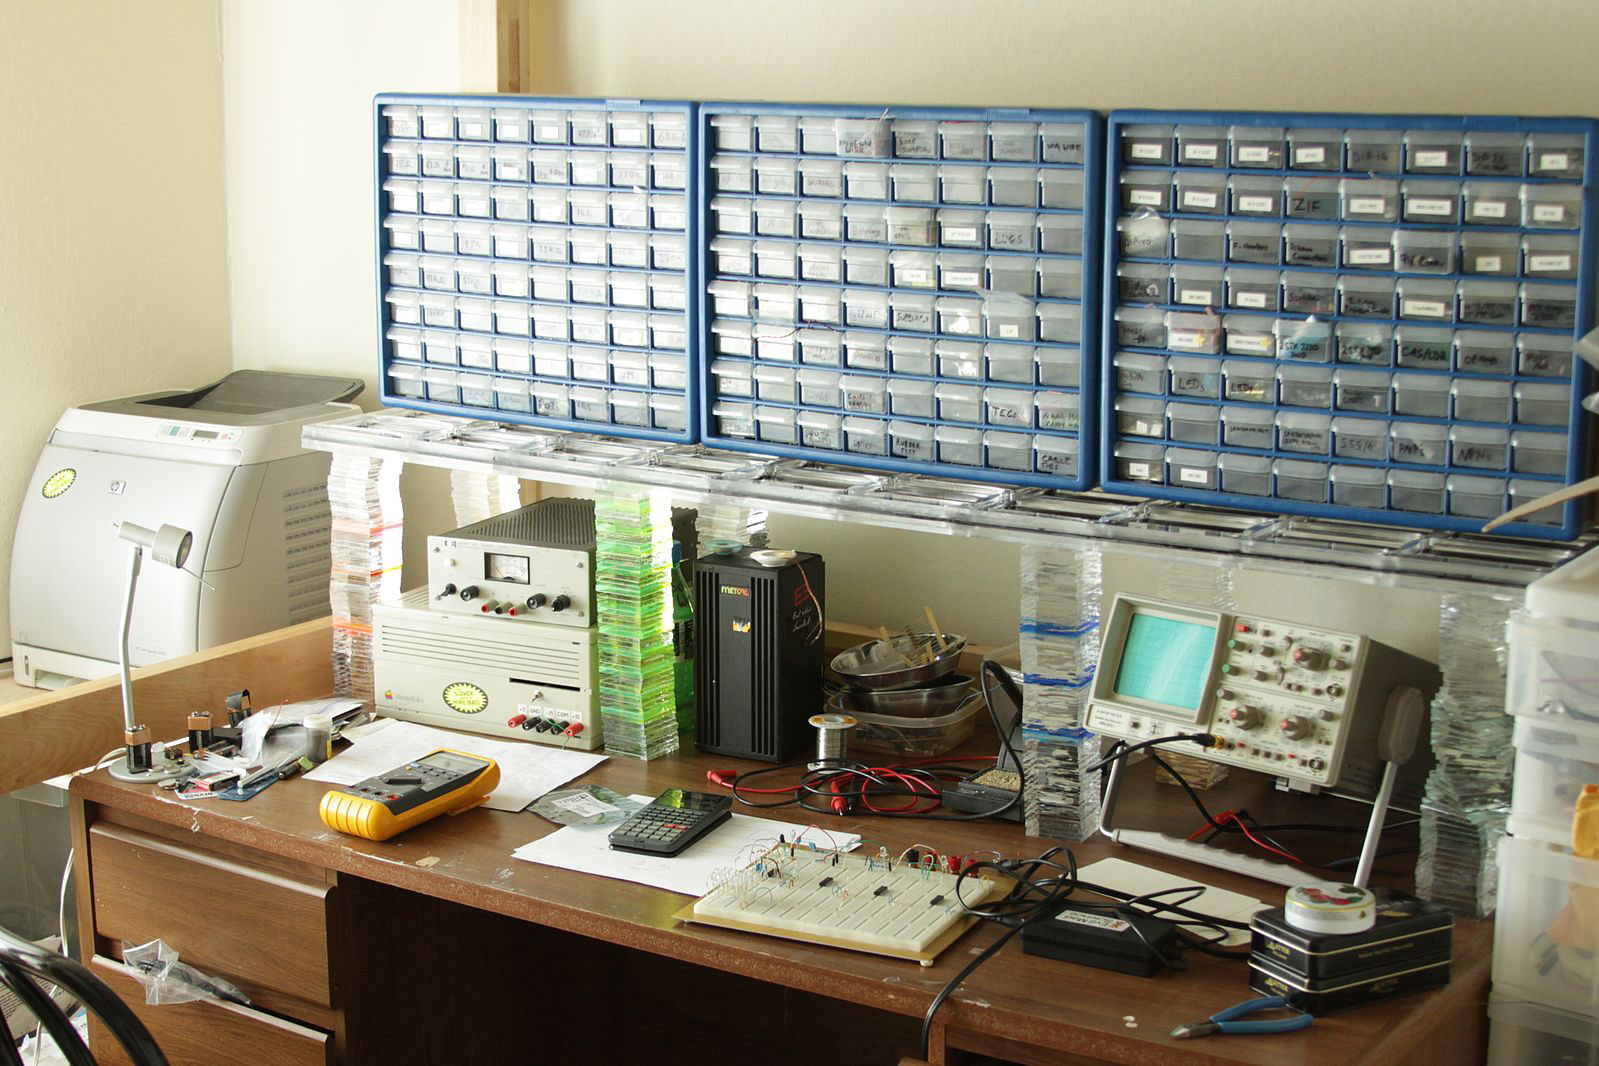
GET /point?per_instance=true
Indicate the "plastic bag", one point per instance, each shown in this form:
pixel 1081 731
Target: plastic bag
pixel 166 980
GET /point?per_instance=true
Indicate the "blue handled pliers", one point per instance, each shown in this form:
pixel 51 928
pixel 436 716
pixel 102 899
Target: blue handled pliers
pixel 1227 1021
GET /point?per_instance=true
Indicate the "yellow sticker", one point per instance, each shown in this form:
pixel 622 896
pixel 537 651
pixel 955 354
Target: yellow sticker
pixel 59 482
pixel 465 698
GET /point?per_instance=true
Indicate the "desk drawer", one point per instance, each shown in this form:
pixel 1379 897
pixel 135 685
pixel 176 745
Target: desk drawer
pixel 204 1032
pixel 262 930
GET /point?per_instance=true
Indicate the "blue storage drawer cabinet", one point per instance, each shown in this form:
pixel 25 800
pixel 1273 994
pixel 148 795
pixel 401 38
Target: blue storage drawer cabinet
pixel 1357 316
pixel 535 261
pixel 902 288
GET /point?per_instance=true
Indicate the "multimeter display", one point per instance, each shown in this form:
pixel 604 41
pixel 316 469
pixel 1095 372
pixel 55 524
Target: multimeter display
pixel 443 782
pixel 455 764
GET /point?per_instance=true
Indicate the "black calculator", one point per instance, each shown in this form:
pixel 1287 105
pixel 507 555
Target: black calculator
pixel 673 820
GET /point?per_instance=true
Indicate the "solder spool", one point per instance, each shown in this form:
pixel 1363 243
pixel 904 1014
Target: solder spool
pixel 832 740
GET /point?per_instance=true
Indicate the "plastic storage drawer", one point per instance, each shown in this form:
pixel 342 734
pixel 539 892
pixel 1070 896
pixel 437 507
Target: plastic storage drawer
pixel 1555 760
pixel 947 252
pixel 1409 271
pixel 1544 937
pixel 520 207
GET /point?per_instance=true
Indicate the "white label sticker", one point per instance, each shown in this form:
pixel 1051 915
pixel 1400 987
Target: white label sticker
pixel 1185 338
pixel 914 276
pixel 954 278
pixel 1198 297
pixel 1138 470
pixel 1206 200
pixel 1548 213
pixel 1489 264
pixel 1546 263
pixel 1146 149
pixel 583 804
pixel 1433 158
pixel 1250 299
pixel 1147 197
pixel 1007 329
pixel 1366 205
pixel 1431 207
pixel 1554 161
pixel 1195 477
pixel 1246 343
pixel 1256 205
pixel 1315 154
pixel 960 233
pixel 1488 209
pixel 1206 152
pixel 1368 256
pixel 1254 153
pixel 1423 308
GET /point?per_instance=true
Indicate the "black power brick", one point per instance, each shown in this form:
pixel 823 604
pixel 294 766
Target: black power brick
pixel 1109 939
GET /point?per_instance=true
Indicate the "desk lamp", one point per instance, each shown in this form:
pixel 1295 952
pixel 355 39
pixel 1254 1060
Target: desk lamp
pixel 170 546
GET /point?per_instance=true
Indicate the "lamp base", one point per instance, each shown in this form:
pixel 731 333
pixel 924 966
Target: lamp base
pixel 154 775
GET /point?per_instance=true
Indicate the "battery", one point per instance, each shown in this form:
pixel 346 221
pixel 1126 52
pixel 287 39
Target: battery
pixel 1405 929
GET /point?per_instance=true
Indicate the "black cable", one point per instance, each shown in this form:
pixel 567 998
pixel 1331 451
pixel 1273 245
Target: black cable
pixel 859 783
pixel 1121 749
pixel 944 993
pixel 1029 908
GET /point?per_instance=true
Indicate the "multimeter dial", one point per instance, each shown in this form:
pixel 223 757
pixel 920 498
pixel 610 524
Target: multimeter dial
pixel 463 697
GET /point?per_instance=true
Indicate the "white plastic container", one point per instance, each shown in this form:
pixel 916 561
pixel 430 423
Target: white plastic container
pixel 911 397
pixel 1529 963
pixel 911 440
pixel 867 436
pixel 552 400
pixel 1057 456
pixel 777 425
pixel 668 371
pixel 734 419
pixel 668 412
pixel 820 429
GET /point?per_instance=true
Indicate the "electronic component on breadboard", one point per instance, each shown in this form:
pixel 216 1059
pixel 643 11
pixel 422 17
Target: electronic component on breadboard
pixel 872 903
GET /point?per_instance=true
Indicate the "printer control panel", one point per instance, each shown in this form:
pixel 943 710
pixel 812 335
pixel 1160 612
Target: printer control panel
pixel 177 432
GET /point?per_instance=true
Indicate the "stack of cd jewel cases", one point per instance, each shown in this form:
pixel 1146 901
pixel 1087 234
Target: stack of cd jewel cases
pixel 477 496
pixel 1059 643
pixel 368 525
pixel 633 597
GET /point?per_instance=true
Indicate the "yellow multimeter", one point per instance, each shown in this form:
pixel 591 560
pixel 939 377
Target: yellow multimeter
pixel 445 782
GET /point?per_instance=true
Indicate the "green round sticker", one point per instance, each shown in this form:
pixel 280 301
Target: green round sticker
pixel 465 698
pixel 59 482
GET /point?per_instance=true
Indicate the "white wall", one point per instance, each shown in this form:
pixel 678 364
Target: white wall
pixel 1360 55
pixel 113 277
pixel 298 77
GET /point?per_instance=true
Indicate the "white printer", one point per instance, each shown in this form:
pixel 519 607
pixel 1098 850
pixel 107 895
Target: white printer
pixel 223 462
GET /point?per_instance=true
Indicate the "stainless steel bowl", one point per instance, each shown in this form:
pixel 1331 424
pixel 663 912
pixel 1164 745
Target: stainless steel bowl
pixel 925 701
pixel 877 665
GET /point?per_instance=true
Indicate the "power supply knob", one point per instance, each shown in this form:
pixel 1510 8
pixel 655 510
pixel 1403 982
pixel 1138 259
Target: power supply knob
pixel 446 591
pixel 537 600
pixel 1244 717
pixel 469 593
pixel 561 602
pixel 1296 727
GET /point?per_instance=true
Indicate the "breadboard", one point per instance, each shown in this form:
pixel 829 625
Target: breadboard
pixel 863 903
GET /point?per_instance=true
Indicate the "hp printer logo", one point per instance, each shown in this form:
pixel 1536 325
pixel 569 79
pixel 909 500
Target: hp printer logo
pixel 58 482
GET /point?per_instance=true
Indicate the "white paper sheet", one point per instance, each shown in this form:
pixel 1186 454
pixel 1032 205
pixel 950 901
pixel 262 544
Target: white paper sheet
pixel 1215 902
pixel 527 770
pixel 586 849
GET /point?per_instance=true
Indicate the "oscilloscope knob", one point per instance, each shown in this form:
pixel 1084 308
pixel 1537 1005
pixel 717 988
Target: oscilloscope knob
pixel 1310 658
pixel 1296 727
pixel 1244 717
